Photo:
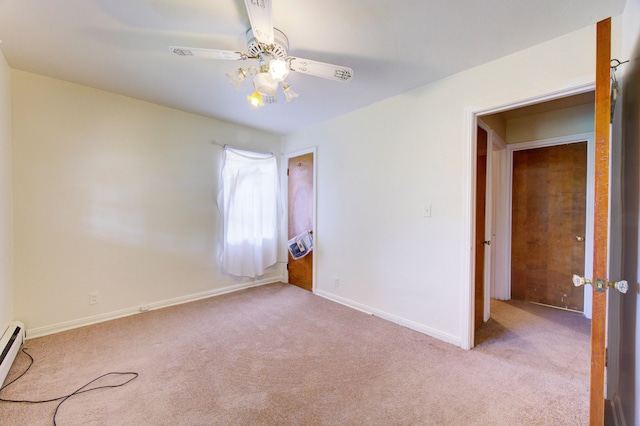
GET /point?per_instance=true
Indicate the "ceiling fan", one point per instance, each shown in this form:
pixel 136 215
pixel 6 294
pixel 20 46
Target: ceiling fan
pixel 270 47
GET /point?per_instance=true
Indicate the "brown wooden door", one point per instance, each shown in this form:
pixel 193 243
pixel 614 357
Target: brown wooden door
pixel 300 201
pixel 481 205
pixel 601 221
pixel 548 224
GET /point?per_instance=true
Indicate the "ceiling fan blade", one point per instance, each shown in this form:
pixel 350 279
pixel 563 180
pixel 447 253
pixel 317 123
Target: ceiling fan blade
pixel 320 69
pixel 208 53
pixel 259 12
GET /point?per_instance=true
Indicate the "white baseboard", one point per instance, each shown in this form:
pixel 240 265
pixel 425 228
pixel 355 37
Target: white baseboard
pixel 618 413
pixel 81 322
pixel 445 337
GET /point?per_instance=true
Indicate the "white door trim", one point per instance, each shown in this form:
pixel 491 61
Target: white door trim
pixel 488 223
pixel 501 229
pixel 468 263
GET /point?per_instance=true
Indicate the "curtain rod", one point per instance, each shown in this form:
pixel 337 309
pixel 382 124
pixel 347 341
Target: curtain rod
pixel 241 149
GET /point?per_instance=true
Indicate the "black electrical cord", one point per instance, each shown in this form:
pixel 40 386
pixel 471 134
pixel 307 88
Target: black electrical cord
pixel 64 398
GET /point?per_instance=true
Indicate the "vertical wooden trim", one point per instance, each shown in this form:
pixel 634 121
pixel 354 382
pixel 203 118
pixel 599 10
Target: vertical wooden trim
pixel 601 219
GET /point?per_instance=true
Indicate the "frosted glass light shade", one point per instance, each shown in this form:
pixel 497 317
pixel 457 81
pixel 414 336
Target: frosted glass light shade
pixel 236 77
pixel 289 93
pixel 278 69
pixel 264 84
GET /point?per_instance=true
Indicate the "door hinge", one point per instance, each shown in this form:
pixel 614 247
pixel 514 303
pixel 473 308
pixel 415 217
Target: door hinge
pixel 287 172
pixel 287 266
pixel 606 357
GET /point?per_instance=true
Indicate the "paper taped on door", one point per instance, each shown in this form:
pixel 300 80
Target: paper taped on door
pixel 301 245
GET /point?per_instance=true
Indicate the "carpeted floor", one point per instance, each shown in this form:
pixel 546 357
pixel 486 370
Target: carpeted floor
pixel 279 355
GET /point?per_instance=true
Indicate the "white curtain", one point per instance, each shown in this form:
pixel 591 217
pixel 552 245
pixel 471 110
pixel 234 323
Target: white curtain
pixel 248 204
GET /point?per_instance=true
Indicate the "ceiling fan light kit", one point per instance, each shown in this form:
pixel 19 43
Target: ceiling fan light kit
pixel 255 100
pixel 270 47
pixel 236 77
pixel 264 84
pixel 288 91
pixel 278 69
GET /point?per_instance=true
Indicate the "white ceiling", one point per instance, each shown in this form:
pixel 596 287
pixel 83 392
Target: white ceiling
pixel 393 46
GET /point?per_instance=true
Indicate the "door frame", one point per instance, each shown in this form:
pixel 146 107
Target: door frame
pixel 488 207
pixel 501 231
pixel 495 207
pixel 588 247
pixel 285 203
pixel 472 114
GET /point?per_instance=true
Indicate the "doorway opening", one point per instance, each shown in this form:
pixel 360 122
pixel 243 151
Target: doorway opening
pixel 551 226
pixel 511 131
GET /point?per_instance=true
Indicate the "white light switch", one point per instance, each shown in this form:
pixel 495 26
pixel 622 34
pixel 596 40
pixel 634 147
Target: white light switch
pixel 426 212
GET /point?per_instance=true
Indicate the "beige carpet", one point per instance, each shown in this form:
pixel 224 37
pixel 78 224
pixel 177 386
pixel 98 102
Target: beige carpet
pixel 279 355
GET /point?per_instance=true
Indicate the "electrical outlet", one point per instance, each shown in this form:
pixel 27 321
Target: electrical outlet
pixel 336 282
pixel 426 212
pixel 94 298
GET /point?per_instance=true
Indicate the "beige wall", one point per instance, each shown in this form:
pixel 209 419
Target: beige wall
pixel 552 124
pixel 497 123
pixel 379 166
pixel 116 196
pixel 6 199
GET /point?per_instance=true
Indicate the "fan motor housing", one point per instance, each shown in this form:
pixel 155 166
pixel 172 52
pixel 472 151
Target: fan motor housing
pixel 278 49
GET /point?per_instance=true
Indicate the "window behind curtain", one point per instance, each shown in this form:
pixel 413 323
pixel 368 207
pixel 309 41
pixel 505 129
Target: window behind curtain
pixel 248 203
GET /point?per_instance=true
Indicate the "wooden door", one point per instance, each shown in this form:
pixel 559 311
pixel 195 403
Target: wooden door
pixel 481 206
pixel 601 221
pixel 548 224
pixel 300 201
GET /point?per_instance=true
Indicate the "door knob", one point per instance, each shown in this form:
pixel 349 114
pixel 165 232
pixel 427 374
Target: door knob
pixel 578 280
pixel 580 238
pixel 622 286
pixel 600 284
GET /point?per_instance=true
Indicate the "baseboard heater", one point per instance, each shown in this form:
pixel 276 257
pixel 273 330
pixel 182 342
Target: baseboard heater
pixel 10 344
